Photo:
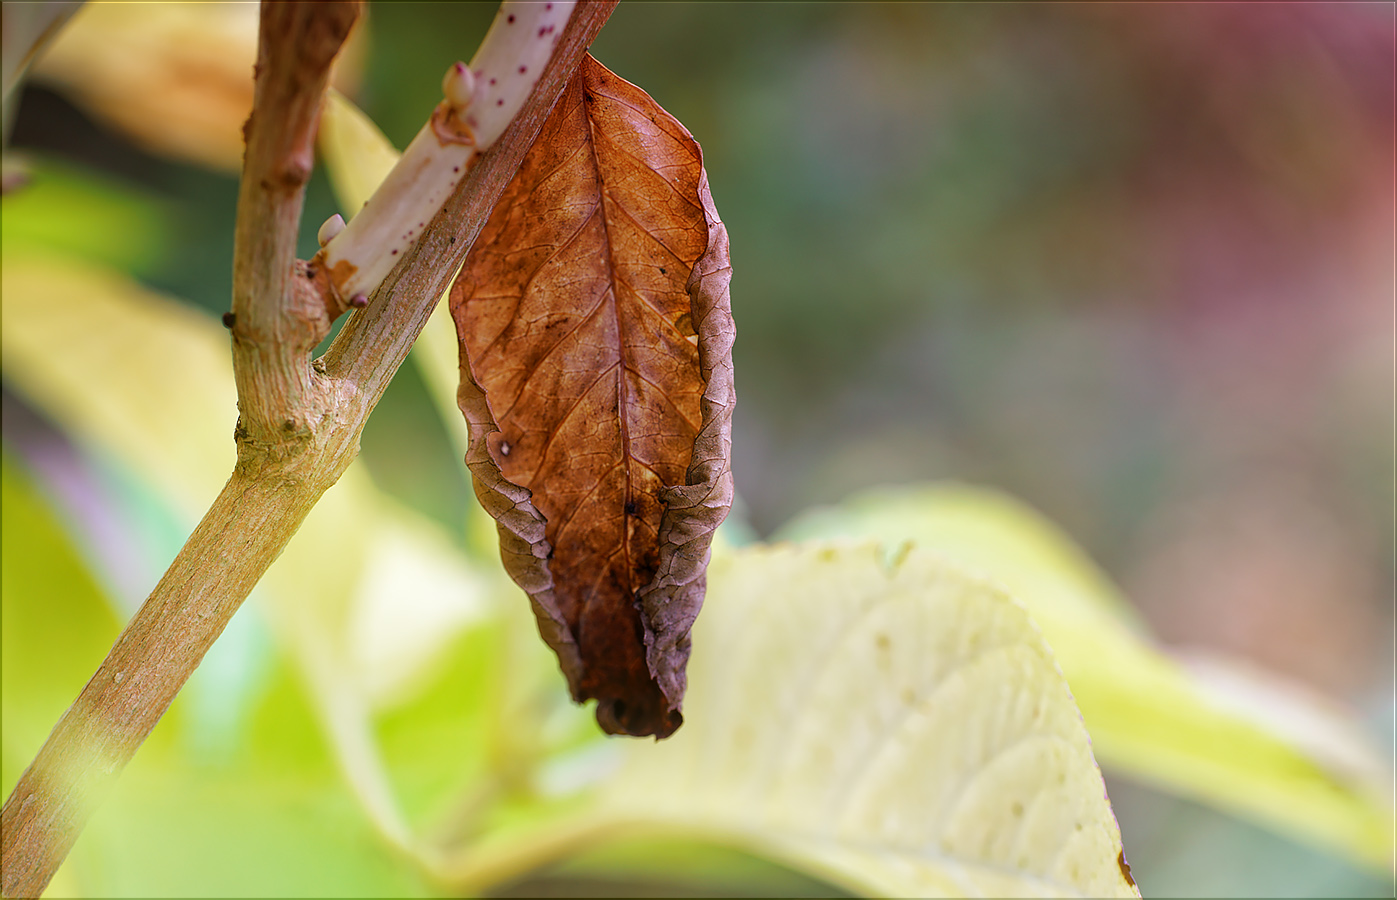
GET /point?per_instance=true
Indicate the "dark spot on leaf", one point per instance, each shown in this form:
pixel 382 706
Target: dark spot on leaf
pixel 229 320
pixel 630 507
pixel 1125 867
pixel 662 271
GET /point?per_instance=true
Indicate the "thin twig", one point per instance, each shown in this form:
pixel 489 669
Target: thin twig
pixel 282 471
pixel 278 318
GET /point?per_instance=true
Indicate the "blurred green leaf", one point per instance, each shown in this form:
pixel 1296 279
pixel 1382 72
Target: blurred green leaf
pixel 76 212
pixel 56 624
pixel 188 834
pixel 275 820
pixel 1149 717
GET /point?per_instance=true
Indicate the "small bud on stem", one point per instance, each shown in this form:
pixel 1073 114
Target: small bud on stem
pixel 458 86
pixel 333 226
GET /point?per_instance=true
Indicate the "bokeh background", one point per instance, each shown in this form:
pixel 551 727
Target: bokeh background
pixel 1133 263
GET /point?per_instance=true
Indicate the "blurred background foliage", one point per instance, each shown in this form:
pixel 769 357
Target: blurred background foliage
pixel 1132 263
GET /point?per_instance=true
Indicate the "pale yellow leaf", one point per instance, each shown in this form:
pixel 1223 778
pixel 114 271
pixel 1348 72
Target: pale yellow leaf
pixel 1149 716
pixel 891 723
pixel 121 368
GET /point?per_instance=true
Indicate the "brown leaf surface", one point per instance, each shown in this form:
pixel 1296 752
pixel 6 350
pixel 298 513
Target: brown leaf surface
pixel 596 378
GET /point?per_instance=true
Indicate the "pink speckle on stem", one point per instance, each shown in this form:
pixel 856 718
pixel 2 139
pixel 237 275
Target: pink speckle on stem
pixel 510 20
pixel 523 69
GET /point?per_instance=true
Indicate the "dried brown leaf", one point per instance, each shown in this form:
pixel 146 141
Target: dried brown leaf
pixel 596 379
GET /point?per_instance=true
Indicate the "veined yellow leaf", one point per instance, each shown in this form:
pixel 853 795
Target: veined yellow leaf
pixel 1150 717
pixel 888 722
